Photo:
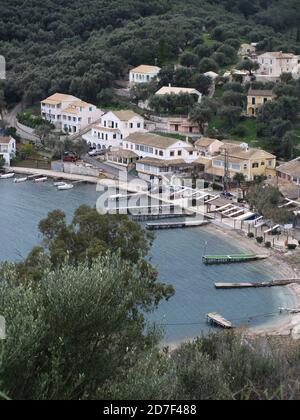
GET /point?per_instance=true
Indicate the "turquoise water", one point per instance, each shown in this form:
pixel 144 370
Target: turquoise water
pixel 176 254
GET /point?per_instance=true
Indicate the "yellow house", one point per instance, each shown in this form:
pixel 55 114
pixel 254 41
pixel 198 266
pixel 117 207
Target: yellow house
pixel 256 99
pixel 245 160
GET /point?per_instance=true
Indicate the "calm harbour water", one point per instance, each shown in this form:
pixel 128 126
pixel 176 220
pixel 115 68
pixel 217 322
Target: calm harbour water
pixel 176 254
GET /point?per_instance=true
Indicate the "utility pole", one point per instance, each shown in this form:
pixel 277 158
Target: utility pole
pixel 226 169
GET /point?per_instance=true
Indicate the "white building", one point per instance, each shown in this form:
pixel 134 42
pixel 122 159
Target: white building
pixel 7 149
pixel 143 74
pixel 247 50
pixel 69 113
pixel 274 64
pixel 158 155
pixel 170 90
pixel 114 126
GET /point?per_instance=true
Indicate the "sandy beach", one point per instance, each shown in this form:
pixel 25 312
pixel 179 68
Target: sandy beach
pixel 286 325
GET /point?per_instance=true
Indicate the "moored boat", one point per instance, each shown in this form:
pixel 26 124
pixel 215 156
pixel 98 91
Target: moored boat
pixel 65 187
pixel 18 180
pixel 43 179
pixel 7 176
pixel 59 184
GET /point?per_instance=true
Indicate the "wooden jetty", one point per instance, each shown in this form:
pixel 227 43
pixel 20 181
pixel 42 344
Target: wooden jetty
pixel 289 311
pixel 273 283
pixel 176 225
pixel 160 216
pixel 216 319
pixel 227 259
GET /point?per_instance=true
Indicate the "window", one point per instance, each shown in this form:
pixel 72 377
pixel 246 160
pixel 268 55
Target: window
pixel 161 153
pixel 235 166
pixel 262 164
pixel 270 162
pixel 255 165
pixel 218 163
pixel 179 153
pixel 172 154
pixel 253 101
pixel 138 125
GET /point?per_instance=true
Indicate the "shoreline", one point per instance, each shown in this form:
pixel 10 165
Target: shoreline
pixel 285 325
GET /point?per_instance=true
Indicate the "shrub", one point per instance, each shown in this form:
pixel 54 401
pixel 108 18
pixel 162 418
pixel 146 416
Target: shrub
pixel 240 131
pixel 268 244
pixel 259 239
pixel 251 235
pixel 291 247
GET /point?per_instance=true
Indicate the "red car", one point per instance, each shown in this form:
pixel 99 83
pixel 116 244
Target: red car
pixel 70 158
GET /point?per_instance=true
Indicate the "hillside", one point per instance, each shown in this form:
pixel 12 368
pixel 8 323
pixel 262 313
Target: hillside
pixel 81 46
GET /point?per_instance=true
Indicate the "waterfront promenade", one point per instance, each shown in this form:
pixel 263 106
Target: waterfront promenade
pixel 54 174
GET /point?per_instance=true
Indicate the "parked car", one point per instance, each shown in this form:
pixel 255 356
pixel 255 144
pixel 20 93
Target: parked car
pixel 93 152
pixel 227 195
pixel 70 158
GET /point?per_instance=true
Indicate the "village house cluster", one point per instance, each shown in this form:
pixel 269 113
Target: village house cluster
pixel 129 141
pixel 124 137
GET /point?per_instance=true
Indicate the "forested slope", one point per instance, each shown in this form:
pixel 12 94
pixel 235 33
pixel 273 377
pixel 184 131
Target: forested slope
pixel 81 46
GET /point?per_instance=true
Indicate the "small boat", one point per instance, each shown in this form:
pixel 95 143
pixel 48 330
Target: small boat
pixel 18 180
pixel 65 187
pixel 7 176
pixel 44 179
pixel 59 184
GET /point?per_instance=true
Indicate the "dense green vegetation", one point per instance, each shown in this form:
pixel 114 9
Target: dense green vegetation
pixel 82 46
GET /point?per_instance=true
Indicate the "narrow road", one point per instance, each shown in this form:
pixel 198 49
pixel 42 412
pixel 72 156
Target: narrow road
pixel 11 116
pixel 11 119
pixel 108 169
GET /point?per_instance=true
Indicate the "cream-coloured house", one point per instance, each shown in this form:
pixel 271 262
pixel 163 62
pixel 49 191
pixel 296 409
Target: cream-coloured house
pixel 208 147
pixel 143 74
pixel 256 99
pixel 170 90
pixel 274 64
pixel 7 148
pixel 245 160
pixel 183 126
pixel 290 171
pixel 69 113
pixel 113 128
pixel 247 50
pixel 158 155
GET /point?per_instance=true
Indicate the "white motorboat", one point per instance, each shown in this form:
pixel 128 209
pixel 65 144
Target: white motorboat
pixel 65 187
pixel 44 179
pixel 18 180
pixel 7 176
pixel 59 184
